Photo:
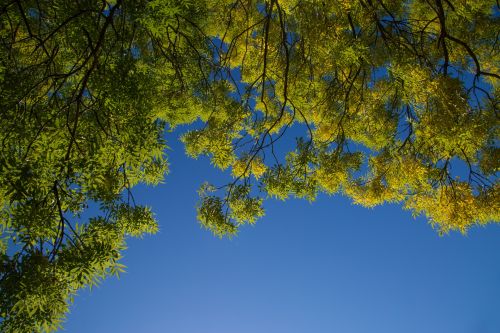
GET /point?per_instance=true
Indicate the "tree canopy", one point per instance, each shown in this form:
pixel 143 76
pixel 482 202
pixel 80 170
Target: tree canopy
pixel 388 101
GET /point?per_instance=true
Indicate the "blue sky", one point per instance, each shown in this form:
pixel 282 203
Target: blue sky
pixel 324 267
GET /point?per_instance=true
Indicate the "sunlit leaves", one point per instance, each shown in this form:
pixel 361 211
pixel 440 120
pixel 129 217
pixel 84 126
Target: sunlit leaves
pixel 223 217
pixel 390 101
pixel 448 207
pixel 247 165
pixel 335 168
pixel 135 221
pixel 212 216
pixel 244 208
pixel 85 90
pixel 392 98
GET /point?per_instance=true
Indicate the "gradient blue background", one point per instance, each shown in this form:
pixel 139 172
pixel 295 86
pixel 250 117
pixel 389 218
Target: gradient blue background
pixel 323 267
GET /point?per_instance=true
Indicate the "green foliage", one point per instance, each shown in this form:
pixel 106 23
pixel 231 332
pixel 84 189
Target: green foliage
pixel 387 97
pixel 212 217
pixel 86 91
pixel 393 95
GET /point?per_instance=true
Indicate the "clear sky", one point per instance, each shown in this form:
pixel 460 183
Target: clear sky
pixel 324 267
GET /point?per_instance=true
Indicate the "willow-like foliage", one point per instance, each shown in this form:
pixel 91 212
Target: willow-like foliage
pixel 86 91
pixel 397 101
pixel 386 101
